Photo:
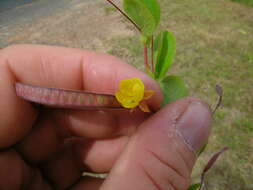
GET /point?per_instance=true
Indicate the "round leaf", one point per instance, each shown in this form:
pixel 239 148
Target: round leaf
pixel 145 13
pixel 173 88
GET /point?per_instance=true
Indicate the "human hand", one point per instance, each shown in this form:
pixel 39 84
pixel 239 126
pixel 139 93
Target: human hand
pixel 45 148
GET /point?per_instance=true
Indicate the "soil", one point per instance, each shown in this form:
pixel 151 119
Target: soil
pixel 87 24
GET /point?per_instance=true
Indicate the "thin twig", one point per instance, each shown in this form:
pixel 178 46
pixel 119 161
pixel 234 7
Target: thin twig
pixel 125 15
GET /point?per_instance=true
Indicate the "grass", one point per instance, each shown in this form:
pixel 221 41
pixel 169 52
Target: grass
pixel 246 2
pixel 214 45
pixel 109 9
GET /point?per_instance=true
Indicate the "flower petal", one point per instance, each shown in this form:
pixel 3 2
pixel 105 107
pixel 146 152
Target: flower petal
pixel 144 106
pixel 131 92
pixel 148 94
pixel 128 103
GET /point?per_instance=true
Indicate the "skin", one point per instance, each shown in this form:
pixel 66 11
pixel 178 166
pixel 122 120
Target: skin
pixel 46 148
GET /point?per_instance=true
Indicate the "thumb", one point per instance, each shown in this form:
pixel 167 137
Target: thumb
pixel 162 153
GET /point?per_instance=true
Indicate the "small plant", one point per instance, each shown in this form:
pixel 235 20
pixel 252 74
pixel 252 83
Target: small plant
pixel 145 16
pixel 159 49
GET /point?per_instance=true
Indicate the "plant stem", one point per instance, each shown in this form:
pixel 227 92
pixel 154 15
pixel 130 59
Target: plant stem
pixel 145 54
pixel 152 54
pixel 125 15
pixel 219 91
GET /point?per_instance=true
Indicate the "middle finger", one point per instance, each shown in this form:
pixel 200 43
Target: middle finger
pixel 52 128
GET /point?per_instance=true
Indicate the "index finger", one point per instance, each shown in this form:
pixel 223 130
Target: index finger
pixel 56 67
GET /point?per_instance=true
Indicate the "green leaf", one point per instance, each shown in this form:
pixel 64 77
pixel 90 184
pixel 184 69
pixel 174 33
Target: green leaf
pixel 173 88
pixel 194 186
pixel 165 49
pixel 145 13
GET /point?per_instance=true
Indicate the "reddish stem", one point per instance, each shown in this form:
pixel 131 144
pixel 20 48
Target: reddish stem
pixel 152 54
pixel 210 164
pixel 145 54
pixel 125 15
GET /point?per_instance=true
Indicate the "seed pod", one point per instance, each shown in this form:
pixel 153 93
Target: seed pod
pixel 62 98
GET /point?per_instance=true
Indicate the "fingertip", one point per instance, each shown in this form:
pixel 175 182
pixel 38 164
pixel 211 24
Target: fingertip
pixel 117 70
pixel 14 111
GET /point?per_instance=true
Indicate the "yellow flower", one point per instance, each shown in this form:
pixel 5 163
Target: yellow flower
pixel 132 93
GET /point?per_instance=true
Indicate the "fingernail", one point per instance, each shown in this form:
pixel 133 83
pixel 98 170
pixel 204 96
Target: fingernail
pixel 195 125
